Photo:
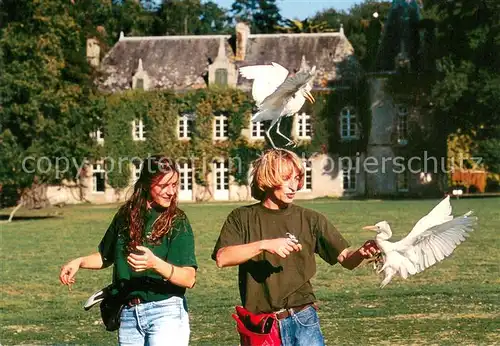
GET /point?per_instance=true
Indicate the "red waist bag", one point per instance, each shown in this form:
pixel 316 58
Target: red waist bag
pixel 257 329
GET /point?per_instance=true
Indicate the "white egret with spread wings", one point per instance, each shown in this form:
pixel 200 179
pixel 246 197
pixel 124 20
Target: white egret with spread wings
pixel 278 94
pixel 433 238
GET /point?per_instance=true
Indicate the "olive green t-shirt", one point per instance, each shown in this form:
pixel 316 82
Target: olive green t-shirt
pixel 176 247
pixel 268 282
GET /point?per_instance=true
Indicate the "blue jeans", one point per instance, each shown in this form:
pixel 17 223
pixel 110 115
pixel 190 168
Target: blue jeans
pixel 301 328
pixel 165 322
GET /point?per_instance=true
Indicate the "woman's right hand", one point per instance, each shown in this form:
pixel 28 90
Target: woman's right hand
pixel 280 246
pixel 68 271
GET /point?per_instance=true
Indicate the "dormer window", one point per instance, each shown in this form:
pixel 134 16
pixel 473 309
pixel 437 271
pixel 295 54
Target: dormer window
pixel 222 71
pixel 138 130
pixel 141 80
pixel 220 127
pixel 221 76
pixel 348 124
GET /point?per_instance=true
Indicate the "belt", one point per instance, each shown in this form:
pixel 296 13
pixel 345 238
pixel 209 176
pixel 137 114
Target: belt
pixel 135 301
pixel 285 313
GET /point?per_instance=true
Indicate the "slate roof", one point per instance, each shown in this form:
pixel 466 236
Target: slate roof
pixel 181 62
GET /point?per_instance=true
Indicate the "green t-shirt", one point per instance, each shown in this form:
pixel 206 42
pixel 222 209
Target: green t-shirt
pixel 176 247
pixel 268 282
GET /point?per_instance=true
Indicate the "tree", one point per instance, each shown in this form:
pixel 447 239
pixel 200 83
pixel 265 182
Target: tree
pixel 467 90
pixel 488 148
pixel 262 15
pixel 362 24
pixel 214 19
pixel 461 87
pixel 303 26
pixel 191 17
pixel 133 18
pixel 44 88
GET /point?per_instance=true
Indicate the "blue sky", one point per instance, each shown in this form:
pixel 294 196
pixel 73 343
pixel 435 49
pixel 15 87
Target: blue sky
pixel 302 8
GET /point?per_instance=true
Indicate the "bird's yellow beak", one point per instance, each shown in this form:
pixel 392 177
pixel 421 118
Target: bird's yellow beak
pixel 309 97
pixel 370 228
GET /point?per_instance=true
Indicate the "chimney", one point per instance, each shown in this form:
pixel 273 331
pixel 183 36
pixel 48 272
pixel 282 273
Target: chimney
pixel 242 33
pixel 93 52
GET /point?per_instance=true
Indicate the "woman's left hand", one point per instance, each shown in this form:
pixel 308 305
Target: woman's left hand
pixel 143 260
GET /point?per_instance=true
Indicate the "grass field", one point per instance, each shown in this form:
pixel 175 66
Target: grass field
pixel 454 302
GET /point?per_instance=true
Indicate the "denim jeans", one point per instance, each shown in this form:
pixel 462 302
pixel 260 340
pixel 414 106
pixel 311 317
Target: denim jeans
pixel 301 328
pixel 165 322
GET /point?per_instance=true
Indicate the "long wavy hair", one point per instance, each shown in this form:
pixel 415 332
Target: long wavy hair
pixel 135 209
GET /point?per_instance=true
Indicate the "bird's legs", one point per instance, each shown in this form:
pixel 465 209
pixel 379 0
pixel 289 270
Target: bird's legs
pixel 377 262
pixel 389 273
pixel 290 142
pixel 268 134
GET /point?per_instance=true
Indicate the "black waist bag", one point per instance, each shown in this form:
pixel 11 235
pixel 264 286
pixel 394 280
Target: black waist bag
pixel 111 306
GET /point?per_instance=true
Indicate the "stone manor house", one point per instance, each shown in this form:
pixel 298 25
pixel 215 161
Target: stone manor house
pixel 190 62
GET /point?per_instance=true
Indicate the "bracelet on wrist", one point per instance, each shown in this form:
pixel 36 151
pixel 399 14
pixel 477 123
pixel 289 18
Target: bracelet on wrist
pixel 171 273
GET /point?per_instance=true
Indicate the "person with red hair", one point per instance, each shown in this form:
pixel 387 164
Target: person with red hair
pixel 274 243
pixel 150 243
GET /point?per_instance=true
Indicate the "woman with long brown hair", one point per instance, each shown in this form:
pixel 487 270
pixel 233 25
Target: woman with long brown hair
pixel 151 245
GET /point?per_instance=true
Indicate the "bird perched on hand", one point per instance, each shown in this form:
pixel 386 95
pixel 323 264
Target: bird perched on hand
pixel 278 94
pixel 433 238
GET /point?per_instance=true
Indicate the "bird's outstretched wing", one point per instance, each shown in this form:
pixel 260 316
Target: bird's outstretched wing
pixel 287 89
pixel 439 214
pixel 438 242
pixel 266 79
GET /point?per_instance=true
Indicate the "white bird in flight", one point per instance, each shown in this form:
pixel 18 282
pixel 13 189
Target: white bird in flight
pixel 278 94
pixel 433 238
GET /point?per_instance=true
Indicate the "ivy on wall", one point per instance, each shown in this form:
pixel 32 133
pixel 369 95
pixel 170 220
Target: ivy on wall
pixel 160 111
pixel 327 124
pixel 121 111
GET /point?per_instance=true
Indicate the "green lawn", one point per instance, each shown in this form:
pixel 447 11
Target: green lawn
pixel 454 302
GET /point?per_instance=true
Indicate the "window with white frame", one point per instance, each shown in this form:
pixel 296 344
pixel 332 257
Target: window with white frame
pixel 348 123
pixel 136 170
pixel 220 126
pixel 185 127
pixel 348 174
pixel 98 177
pixel 138 130
pixel 257 129
pixel 98 135
pixel 304 128
pixel 221 173
pixel 402 125
pixel 307 176
pixel 186 176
